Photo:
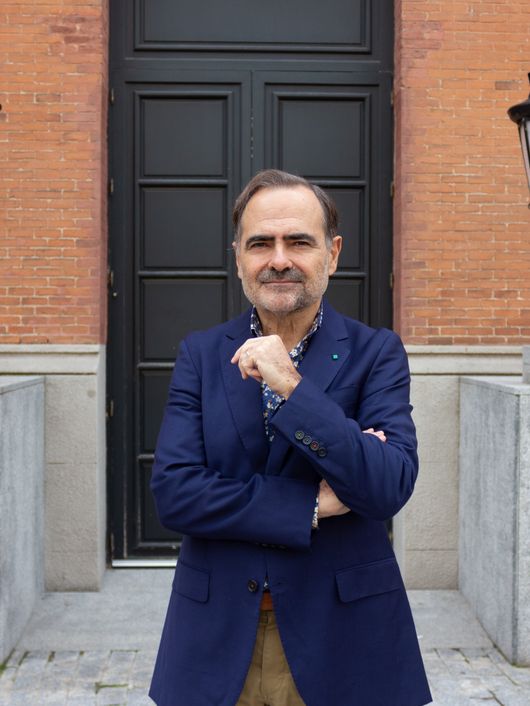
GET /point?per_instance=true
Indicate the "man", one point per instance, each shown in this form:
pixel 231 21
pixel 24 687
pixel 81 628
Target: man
pixel 286 591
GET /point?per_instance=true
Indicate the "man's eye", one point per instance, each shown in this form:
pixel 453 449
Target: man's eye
pixel 253 246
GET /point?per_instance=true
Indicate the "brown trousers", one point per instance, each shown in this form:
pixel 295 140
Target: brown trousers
pixel 269 681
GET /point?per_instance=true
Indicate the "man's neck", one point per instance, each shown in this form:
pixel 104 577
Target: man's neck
pixel 290 327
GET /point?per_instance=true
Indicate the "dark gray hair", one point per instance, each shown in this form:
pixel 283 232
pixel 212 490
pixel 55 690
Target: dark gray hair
pixel 275 179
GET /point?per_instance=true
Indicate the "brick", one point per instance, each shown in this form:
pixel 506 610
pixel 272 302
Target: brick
pixel 460 219
pixel 460 182
pixel 54 56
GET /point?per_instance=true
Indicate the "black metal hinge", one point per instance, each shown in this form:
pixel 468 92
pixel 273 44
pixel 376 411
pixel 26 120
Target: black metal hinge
pixel 252 136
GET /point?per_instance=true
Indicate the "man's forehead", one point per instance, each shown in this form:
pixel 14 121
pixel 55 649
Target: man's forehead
pixel 284 209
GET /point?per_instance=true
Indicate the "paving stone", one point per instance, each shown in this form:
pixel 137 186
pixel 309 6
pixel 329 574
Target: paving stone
pixel 434 664
pixel 501 681
pixel 57 699
pixel 138 697
pixel 119 667
pixel 30 670
pixel 456 662
pixel 82 688
pixel 519 675
pixel 513 695
pixel 475 652
pixel 24 698
pixel 86 700
pixel 142 670
pixel 474 688
pixel 15 658
pixel 484 666
pixel 7 677
pixel 112 696
pixel 92 664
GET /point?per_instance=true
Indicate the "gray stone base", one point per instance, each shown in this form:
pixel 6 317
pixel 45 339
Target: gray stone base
pixel 494 557
pixel 21 504
pixel 75 459
pixel 426 530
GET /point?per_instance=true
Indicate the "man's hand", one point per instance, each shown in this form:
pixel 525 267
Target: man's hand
pixel 380 434
pixel 266 360
pixel 328 503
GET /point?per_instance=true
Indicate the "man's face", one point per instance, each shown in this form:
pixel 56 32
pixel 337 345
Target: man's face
pixel 283 260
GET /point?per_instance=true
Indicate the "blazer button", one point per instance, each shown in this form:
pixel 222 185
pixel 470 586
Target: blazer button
pixel 306 440
pixel 314 445
pixel 322 452
pixel 252 585
pixel 299 435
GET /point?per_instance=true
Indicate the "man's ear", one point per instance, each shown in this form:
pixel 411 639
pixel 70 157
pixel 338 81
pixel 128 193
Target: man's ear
pixel 235 248
pixel 334 251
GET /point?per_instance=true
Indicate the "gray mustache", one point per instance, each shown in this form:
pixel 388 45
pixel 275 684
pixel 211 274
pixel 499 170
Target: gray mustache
pixel 293 275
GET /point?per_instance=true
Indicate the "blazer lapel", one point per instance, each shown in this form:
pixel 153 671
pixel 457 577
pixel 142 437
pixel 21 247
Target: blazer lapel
pixel 244 396
pixel 328 351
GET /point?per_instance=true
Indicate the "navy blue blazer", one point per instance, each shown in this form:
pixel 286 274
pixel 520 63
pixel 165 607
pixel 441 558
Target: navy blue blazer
pixel 245 507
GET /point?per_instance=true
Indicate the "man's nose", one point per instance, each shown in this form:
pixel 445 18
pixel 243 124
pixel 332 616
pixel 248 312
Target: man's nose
pixel 280 259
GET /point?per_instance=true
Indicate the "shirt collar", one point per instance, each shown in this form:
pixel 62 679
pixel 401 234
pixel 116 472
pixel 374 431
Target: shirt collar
pixel 256 330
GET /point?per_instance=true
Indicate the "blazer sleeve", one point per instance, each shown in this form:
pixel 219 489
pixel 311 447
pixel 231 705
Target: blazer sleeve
pixel 196 500
pixel 372 478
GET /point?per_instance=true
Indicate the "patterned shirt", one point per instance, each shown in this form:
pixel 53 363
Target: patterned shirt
pixel 269 399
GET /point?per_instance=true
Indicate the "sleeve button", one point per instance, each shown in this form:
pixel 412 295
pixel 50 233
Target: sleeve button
pixel 306 440
pixel 299 434
pixel 252 585
pixel 314 446
pixel 322 452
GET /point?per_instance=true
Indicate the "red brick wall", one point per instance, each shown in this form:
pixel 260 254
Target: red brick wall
pixel 462 229
pixel 53 171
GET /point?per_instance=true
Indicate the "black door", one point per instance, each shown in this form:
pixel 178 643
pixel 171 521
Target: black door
pixel 203 95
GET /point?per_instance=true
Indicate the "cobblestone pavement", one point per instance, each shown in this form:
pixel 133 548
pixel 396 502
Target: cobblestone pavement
pixel 475 677
pixel 70 678
pixel 465 677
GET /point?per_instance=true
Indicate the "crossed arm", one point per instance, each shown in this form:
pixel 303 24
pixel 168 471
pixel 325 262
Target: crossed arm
pixel 361 473
pixel 265 359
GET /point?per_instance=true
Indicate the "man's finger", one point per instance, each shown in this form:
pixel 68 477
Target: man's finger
pixel 380 434
pixel 235 358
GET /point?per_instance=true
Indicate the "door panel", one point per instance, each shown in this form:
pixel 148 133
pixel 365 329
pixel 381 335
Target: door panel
pixel 191 215
pixel 166 24
pixel 182 154
pixel 185 140
pixel 318 137
pixel 321 125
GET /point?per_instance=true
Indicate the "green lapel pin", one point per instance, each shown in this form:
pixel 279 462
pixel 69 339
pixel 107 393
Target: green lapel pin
pixel 334 356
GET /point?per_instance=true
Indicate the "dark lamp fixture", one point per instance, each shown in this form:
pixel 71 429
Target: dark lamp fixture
pixel 520 114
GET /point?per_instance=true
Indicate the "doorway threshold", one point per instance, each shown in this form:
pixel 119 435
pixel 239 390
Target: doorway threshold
pixel 143 563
